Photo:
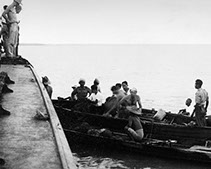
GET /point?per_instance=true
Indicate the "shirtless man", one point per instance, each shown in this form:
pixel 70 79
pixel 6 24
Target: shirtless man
pixel 133 99
pixel 11 18
pixel 134 128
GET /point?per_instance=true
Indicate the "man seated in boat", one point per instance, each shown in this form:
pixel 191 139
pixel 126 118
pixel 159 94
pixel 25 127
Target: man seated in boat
pixel 134 127
pixel 202 102
pixel 112 102
pixel 130 100
pixel 96 99
pixel 187 110
pixel 81 92
pixel 125 87
pixel 183 116
pixel 96 83
pixel 119 88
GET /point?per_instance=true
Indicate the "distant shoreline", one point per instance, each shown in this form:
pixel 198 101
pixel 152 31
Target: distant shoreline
pixel 106 44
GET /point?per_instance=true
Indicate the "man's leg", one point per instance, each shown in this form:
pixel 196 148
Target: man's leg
pixel 200 118
pixel 13 33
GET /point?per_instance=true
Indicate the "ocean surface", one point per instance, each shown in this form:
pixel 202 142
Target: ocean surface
pixel 163 74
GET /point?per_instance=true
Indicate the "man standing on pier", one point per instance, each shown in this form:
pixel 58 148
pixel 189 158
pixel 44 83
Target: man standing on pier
pixel 202 102
pixel 10 15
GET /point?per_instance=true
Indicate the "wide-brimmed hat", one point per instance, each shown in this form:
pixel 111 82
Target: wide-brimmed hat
pixel 45 80
pixel 134 110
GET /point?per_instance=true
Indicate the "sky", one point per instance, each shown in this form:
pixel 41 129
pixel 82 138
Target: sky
pixel 115 21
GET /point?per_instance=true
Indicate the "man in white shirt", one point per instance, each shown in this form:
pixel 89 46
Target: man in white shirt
pixel 202 102
pixel 96 96
pixel 188 110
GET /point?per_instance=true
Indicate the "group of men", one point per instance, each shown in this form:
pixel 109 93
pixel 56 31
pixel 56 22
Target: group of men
pixel 9 32
pixel 123 96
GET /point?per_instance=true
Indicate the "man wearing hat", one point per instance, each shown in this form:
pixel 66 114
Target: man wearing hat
pixel 96 83
pixel 82 91
pixel 10 15
pixel 46 83
pixel 130 100
pixel 134 128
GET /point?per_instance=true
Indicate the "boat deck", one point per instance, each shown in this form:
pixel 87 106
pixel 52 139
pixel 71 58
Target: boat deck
pixel 24 141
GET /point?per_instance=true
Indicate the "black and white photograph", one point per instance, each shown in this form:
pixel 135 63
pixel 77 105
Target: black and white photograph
pixel 105 84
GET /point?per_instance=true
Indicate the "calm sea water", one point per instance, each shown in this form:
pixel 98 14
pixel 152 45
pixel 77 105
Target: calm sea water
pixel 163 74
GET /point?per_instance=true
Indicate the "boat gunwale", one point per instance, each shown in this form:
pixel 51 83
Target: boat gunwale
pixel 64 150
pixel 145 120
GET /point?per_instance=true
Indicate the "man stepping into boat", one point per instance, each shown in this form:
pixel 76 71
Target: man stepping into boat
pixel 130 100
pixel 134 128
pixel 202 102
pixel 82 91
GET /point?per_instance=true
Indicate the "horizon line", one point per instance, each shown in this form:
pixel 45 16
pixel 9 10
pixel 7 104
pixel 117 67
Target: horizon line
pixel 43 44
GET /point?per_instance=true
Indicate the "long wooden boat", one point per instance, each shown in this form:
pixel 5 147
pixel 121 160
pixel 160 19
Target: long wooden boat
pixel 186 135
pixel 152 147
pixel 72 123
pixel 146 113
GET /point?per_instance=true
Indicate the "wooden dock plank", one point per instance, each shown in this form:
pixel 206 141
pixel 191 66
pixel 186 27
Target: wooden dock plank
pixel 24 141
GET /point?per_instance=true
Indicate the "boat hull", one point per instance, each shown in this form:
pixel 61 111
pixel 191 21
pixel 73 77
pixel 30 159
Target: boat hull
pixel 145 148
pixel 183 134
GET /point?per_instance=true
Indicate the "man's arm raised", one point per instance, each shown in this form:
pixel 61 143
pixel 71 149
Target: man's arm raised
pixel 6 11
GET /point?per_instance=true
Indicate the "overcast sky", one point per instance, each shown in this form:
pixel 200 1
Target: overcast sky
pixel 115 21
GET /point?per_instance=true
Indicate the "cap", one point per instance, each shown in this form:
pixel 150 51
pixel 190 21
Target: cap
pixel 133 90
pixel 97 81
pixel 82 80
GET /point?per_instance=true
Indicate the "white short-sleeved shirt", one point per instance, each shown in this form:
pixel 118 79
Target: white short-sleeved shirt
pixel 189 109
pixel 98 97
pixel 201 96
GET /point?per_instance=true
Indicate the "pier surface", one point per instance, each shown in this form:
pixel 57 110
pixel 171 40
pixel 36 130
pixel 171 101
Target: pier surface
pixel 27 143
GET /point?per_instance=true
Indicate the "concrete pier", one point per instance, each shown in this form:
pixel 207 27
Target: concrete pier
pixel 25 142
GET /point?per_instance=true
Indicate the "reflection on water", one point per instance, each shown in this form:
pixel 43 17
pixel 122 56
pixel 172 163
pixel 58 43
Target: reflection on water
pixel 89 157
pixel 96 162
